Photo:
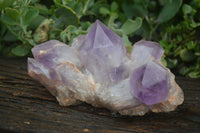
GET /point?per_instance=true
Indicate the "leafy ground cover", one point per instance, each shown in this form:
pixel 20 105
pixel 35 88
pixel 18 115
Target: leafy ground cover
pixel 175 24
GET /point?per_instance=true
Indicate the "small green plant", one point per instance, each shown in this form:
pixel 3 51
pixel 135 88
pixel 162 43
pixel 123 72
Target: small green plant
pixel 182 44
pixel 175 24
pixel 16 18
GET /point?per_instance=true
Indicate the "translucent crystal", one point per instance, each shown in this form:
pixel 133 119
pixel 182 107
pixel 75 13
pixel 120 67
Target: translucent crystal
pixel 149 83
pixel 143 51
pixel 52 53
pixel 102 52
pixel 78 41
pixel 48 59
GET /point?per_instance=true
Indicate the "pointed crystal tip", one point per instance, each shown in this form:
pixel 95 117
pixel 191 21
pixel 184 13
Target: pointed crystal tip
pixel 149 83
pixel 102 51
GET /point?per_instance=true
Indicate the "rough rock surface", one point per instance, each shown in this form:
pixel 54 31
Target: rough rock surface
pixel 97 70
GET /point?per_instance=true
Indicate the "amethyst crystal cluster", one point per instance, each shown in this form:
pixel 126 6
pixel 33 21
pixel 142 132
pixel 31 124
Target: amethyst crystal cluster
pixel 97 70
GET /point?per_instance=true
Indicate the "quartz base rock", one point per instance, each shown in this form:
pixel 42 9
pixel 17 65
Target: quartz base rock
pixel 91 71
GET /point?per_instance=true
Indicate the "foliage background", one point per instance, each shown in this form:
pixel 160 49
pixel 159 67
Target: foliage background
pixel 175 24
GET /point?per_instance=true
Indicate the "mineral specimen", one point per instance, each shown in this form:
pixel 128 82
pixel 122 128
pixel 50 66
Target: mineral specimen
pixel 97 70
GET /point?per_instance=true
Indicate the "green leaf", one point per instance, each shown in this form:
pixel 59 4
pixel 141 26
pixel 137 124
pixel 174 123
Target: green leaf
pixel 20 50
pixel 191 45
pixel 126 40
pixel 66 34
pixel 177 51
pixel 112 18
pixel 146 29
pixel 130 26
pixel 87 5
pixel 136 10
pixel 171 63
pixel 187 9
pixel 11 16
pixel 57 2
pixel 194 24
pixel 118 31
pixel 3 29
pixel 184 70
pixel 9 37
pixel 31 14
pixel 65 16
pixel 104 11
pixel 63 36
pixel 165 45
pixel 7 20
pixel 179 38
pixel 54 33
pixel 43 10
pixel 36 22
pixel 164 61
pixel 78 8
pixel 197 53
pixel 169 10
pixel 114 6
pixel 187 55
pixel 5 3
pixel 96 6
pixel 195 74
pixel 75 5
pixel 85 25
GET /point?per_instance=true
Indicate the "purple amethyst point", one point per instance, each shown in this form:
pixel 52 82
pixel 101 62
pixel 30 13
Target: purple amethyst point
pixel 102 51
pixel 149 83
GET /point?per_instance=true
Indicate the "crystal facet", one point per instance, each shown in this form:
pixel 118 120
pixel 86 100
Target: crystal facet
pixel 149 80
pixel 102 51
pixel 143 51
pixel 54 52
pixel 97 70
pixel 149 83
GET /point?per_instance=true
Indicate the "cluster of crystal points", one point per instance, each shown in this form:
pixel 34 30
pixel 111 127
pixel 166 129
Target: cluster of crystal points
pixel 97 70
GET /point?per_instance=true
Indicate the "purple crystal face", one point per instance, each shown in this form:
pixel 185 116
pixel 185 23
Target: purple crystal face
pixel 144 50
pixel 78 41
pixel 149 83
pixel 119 73
pixel 52 53
pixel 101 52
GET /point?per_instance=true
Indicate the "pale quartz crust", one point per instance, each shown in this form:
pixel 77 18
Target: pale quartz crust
pixel 75 84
